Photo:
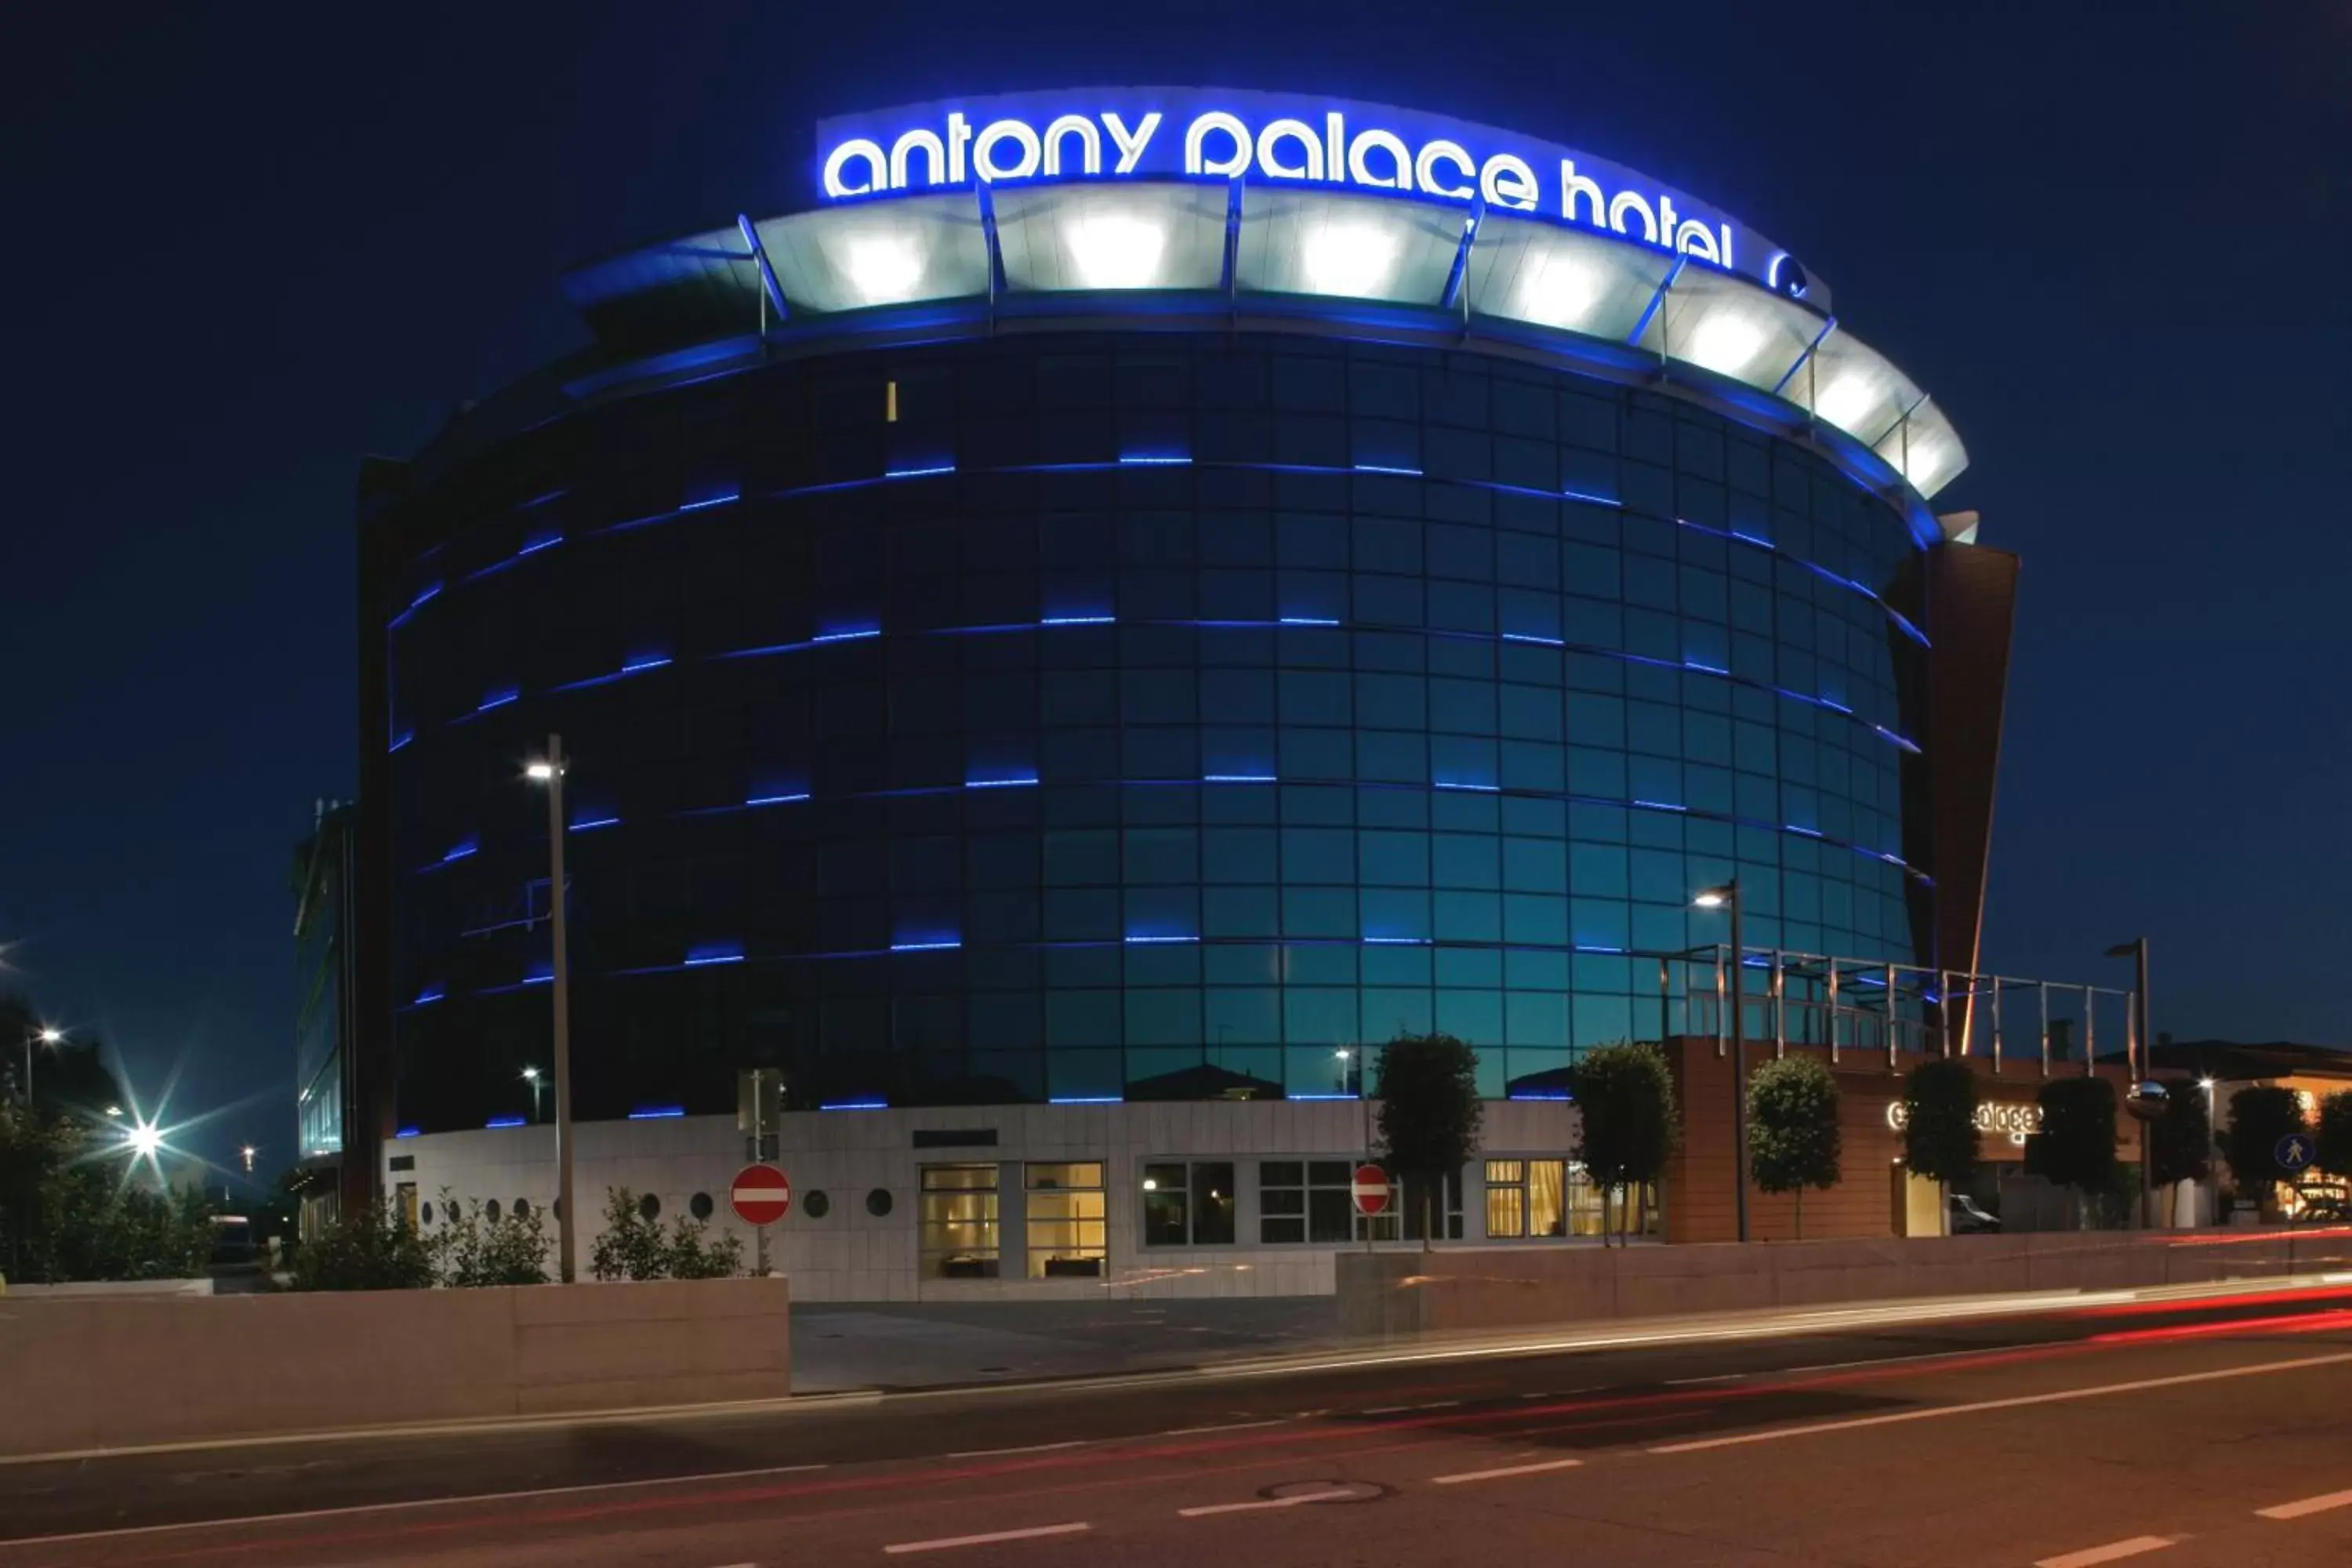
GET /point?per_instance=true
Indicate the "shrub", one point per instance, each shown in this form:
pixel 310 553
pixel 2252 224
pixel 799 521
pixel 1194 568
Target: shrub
pixel 635 1247
pixel 470 1252
pixel 369 1249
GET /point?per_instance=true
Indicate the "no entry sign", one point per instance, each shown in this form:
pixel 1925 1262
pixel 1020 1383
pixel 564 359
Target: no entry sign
pixel 1369 1189
pixel 762 1195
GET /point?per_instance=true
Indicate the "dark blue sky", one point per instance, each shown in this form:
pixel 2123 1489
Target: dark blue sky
pixel 248 244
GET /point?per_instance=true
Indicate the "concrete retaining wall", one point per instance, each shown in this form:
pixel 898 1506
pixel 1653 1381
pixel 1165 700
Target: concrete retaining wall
pixel 103 1372
pixel 1401 1294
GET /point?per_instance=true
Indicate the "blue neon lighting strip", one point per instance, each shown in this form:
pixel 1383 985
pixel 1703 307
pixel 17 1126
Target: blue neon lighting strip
pixel 1159 940
pixel 1078 621
pixel 1143 460
pixel 540 974
pixel 596 822
pixel 500 699
pixel 1564 494
pixel 1548 1094
pixel 858 633
pixel 429 995
pixel 1307 621
pixel 460 851
pixel 1531 638
pixel 728 498
pixel 429 593
pixel 401 740
pixel 533 546
pixel 1459 783
pixel 1395 941
pixel 657 1112
pixel 1019 783
pixel 1237 778
pixel 540 500
pixel 944 946
pixel 1346 1097
pixel 1385 469
pixel 717 953
pixel 652 662
pixel 775 799
pixel 405 1133
pixel 855 1105
pixel 497 1123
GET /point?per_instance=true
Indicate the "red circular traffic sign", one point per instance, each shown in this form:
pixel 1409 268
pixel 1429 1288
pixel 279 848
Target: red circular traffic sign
pixel 762 1195
pixel 1369 1189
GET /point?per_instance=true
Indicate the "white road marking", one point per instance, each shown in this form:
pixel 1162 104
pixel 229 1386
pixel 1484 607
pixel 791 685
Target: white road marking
pixel 1025 1449
pixel 1438 1404
pixel 1712 1377
pixel 2320 1504
pixel 1223 1426
pixel 301 1515
pixel 2017 1403
pixel 1505 1470
pixel 945 1542
pixel 2113 1550
pixel 1334 1495
pixel 1388 1410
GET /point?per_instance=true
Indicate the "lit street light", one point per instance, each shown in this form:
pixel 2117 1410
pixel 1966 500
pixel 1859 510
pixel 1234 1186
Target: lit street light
pixel 530 1076
pixel 549 770
pixel 248 1152
pixel 47 1035
pixel 1728 897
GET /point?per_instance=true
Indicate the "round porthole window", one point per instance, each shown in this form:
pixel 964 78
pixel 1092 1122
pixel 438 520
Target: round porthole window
pixel 522 1209
pixel 491 1211
pixel 649 1207
pixel 427 1210
pixel 878 1202
pixel 700 1204
pixel 815 1205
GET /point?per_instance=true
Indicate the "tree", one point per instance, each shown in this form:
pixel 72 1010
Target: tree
pixel 1430 1113
pixel 2336 1133
pixel 2258 1117
pixel 2076 1146
pixel 1940 1137
pixel 2180 1143
pixel 76 1207
pixel 1628 1121
pixel 1793 1141
pixel 372 1249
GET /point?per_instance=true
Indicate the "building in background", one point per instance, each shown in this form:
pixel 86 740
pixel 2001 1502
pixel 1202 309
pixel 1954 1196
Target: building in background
pixel 333 1166
pixel 1062 654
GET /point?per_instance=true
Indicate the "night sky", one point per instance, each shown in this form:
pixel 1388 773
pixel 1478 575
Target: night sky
pixel 247 244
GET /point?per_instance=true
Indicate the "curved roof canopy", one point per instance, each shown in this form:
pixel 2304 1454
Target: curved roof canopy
pixel 1097 248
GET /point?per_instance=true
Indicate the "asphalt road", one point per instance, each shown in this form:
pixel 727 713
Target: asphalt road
pixel 2178 1436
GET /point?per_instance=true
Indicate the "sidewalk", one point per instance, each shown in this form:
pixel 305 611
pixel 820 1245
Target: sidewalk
pixel 889 1345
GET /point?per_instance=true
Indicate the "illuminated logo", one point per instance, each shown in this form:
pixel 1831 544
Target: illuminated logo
pixel 2016 1122
pixel 1199 133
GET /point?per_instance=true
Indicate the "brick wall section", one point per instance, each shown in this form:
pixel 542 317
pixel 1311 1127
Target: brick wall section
pixel 1699 1205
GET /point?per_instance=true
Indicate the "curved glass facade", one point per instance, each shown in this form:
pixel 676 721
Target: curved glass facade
pixel 1077 717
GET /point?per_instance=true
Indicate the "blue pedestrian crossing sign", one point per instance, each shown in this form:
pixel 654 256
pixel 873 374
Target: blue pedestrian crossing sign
pixel 2294 1152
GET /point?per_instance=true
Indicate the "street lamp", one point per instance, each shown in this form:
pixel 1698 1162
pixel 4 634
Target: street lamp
pixel 549 770
pixel 2142 1066
pixel 45 1035
pixel 248 1152
pixel 530 1076
pixel 1728 897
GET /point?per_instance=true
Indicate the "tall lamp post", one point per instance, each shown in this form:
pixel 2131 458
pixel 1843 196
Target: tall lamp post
pixel 549 770
pixel 43 1035
pixel 531 1076
pixel 2141 1064
pixel 1728 897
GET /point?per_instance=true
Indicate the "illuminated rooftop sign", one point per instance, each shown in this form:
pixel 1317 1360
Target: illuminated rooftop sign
pixel 1111 134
